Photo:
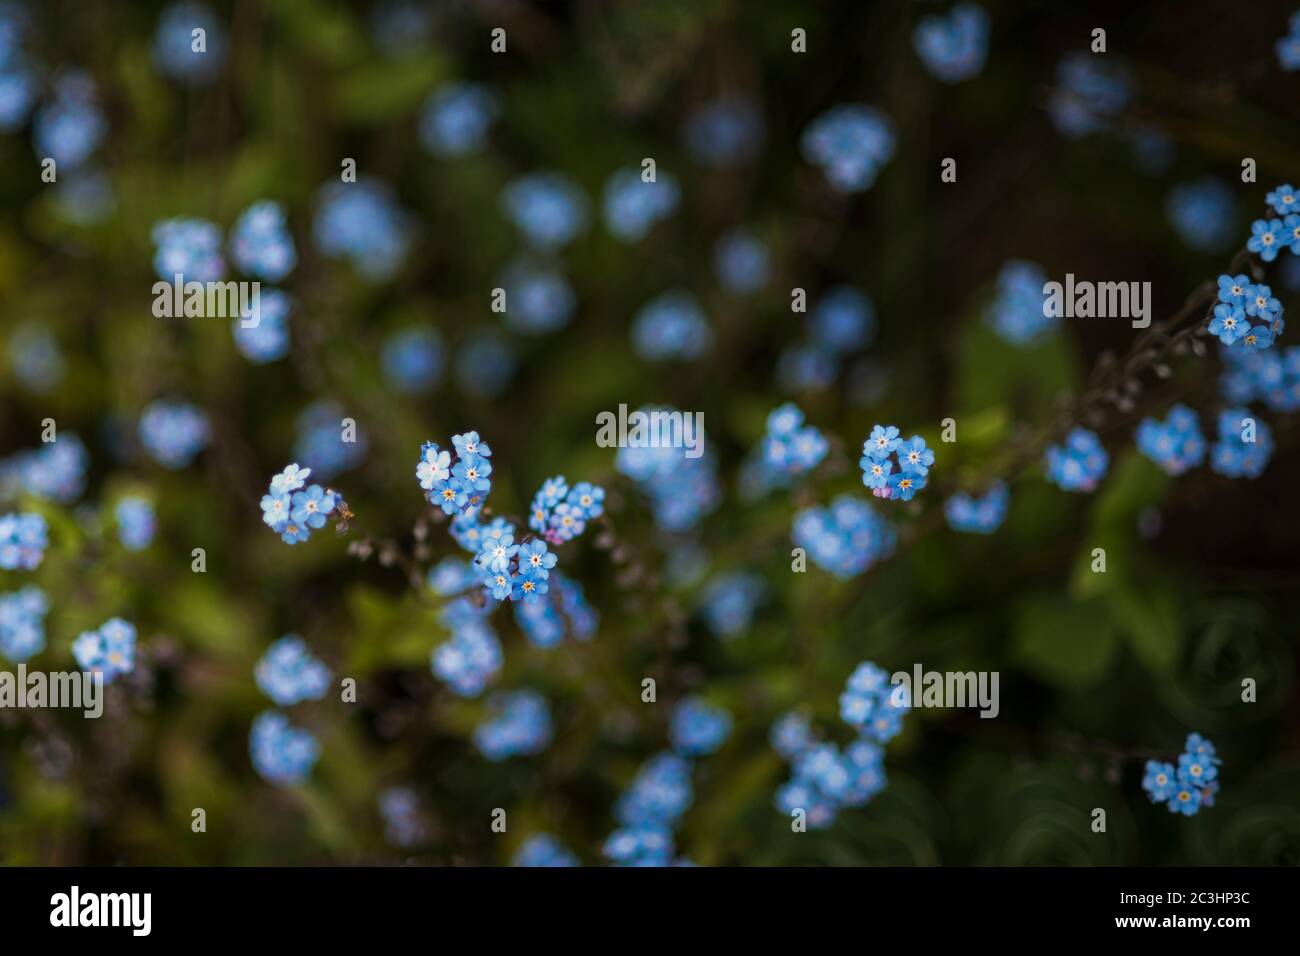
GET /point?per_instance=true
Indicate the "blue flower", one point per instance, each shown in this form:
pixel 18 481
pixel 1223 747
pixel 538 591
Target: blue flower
pixel 1233 290
pixel 520 725
pixel 587 498
pixel 538 298
pixel 469 445
pixel 413 359
pixel 361 221
pixel 972 515
pixel 1284 200
pixel 456 119
pixel 791 735
pixel 632 206
pixel 1196 770
pixel 742 262
pixel 1090 93
pixel 268 339
pixel 1229 323
pixel 190 248
pixel 22 623
pixel 672 326
pixel 845 539
pixel 472 473
pixel 1288 47
pixel 275 510
pixel 903 486
pixel 843 321
pixel 1201 212
pixel 639 846
pixel 1185 800
pixel 496 554
pixel 173 433
pixel 311 506
pixel 1160 782
pixel 954 48
pixel 528 586
pixel 291 479
pixel 1266 237
pixel 1259 336
pixel 173 43
pixel 851 143
pixel 543 850
pixel 110 650
pixel 875 474
pixel 729 601
pixel 281 753
pixel 472 658
pixel 914 458
pixel 659 794
pixel 1233 455
pixel 698 728
pixel 23 540
pixel 288 673
pixel 1177 444
pixel 534 559
pixel 548 208
pixel 1016 312
pixel 882 442
pixel 725 131
pixel 71 126
pixel 1079 463
pixel 136 522
pixel 260 243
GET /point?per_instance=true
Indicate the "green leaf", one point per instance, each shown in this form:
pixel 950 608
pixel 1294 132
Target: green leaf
pixel 1069 643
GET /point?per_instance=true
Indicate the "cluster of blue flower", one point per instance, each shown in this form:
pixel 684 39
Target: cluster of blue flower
pixel 457 489
pixel 54 472
pixel 471 659
pixel 632 205
pixel 1272 377
pixel 318 440
pixel 456 119
pixel 293 510
pixel 1240 301
pixel 729 601
pixel 913 457
pixel 136 522
pixel 1270 236
pixel 1190 786
pixel 560 513
pixel 742 262
pixel 725 131
pixel 520 724
pixel 363 223
pixel 1079 463
pixel 539 299
pixel 851 143
pixel 846 538
pixel 1202 213
pixel 110 649
pixel 978 515
pixel 1244 445
pixel 671 326
pixel 1176 444
pixel 173 432
pixel 404 824
pixel 1090 94
pixel 288 674
pixel 22 622
pixel 1288 46
pixel 661 791
pixel 1016 312
pixel 24 537
pixel 681 489
pixel 954 47
pixel 843 321
pixel 789 450
pixel 544 850
pixel 174 42
pixel 565 606
pixel 825 779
